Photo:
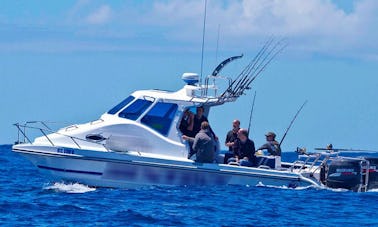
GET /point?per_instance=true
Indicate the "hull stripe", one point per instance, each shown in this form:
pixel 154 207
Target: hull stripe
pixel 69 170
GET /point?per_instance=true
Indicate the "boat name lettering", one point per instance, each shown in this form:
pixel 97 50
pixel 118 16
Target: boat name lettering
pixel 344 170
pixel 65 150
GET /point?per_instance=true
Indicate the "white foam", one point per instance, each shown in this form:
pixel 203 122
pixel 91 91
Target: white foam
pixel 373 190
pixel 336 189
pixel 260 184
pixel 69 188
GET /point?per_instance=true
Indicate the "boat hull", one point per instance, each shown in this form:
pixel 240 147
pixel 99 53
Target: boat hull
pixel 121 170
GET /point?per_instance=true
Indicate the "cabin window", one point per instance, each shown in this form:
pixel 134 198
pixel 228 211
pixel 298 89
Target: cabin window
pixel 135 109
pixel 122 104
pixel 160 117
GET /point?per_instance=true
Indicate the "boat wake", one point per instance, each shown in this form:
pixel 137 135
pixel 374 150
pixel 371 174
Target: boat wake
pixel 373 190
pixel 69 187
pixel 286 187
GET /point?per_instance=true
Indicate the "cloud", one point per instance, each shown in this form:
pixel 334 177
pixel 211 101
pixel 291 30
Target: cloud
pixel 100 16
pixel 318 26
pixel 311 26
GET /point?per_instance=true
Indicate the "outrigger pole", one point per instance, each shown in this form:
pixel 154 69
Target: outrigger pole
pixel 224 63
pixel 250 115
pixel 292 121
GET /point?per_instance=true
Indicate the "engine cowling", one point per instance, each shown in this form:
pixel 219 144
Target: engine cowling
pixel 373 172
pixel 350 173
pixel 344 173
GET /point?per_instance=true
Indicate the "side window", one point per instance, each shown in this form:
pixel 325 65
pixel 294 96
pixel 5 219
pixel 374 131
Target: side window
pixel 122 104
pixel 135 109
pixel 160 117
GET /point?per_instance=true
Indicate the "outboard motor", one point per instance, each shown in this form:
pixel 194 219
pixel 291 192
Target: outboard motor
pixel 345 173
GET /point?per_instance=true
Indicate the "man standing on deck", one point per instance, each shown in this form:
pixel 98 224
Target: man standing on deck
pixel 187 123
pixel 231 138
pixel 203 144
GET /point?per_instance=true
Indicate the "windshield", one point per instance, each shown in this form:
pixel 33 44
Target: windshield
pixel 135 109
pixel 120 105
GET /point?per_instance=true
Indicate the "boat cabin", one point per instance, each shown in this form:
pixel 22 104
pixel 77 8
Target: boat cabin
pixel 151 118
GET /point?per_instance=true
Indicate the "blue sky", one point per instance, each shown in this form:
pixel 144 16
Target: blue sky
pixel 71 61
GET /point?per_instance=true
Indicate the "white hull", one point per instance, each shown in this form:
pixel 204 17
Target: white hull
pixel 139 141
pixel 121 170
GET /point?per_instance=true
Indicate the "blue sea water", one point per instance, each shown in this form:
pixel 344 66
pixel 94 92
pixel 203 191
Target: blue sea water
pixel 29 199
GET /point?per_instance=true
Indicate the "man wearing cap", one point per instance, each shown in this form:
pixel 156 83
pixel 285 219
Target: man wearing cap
pixel 271 145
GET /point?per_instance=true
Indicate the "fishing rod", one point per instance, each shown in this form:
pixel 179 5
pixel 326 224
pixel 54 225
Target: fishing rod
pixel 244 74
pixel 251 66
pixel 266 54
pixel 250 115
pixel 292 121
pixel 343 149
pixel 247 70
pixel 264 66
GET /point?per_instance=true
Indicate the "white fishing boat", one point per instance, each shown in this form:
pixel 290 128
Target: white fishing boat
pixel 139 143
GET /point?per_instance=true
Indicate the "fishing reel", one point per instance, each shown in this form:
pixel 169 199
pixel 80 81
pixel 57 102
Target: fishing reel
pixel 301 150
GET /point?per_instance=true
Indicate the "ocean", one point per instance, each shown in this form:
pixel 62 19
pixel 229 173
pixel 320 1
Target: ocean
pixel 29 199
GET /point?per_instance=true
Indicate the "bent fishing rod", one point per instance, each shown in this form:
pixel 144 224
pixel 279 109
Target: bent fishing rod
pixel 292 121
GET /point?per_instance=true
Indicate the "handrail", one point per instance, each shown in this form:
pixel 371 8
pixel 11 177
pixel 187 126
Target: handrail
pixel 201 91
pixel 312 159
pixel 206 88
pixel 47 137
pixel 47 130
pixel 70 127
pixel 23 133
pixel 364 173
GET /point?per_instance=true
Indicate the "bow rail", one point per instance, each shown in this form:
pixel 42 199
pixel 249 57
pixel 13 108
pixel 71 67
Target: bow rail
pixel 43 128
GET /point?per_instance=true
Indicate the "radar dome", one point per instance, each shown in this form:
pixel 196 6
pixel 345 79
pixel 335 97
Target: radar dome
pixel 190 78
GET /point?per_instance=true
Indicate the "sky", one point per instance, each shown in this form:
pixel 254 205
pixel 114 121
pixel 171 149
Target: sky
pixel 71 61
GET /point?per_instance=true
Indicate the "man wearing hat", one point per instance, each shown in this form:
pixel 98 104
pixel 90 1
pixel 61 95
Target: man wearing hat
pixel 271 145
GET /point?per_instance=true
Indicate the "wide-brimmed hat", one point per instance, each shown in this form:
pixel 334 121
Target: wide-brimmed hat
pixel 270 134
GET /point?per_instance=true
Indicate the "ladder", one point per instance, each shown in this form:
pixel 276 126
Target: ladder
pixel 364 173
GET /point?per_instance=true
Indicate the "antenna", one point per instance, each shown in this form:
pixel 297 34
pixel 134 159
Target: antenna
pixel 203 40
pixel 216 53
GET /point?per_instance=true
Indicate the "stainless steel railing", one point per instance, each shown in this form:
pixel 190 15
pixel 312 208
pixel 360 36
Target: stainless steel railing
pixel 44 129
